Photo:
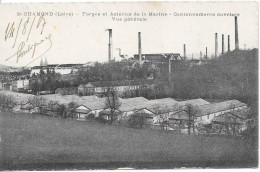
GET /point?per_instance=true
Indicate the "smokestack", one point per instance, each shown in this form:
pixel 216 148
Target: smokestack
pixel 206 52
pixel 110 45
pixel 223 45
pixel 200 55
pixel 228 43
pixel 140 48
pixel 216 45
pixel 184 51
pixel 236 35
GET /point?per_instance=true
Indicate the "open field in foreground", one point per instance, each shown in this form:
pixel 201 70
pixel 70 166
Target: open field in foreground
pixel 41 142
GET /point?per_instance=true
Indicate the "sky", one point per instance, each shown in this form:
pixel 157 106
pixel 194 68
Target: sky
pixel 80 39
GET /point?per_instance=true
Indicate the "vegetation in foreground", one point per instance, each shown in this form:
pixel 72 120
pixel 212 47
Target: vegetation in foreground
pixel 41 142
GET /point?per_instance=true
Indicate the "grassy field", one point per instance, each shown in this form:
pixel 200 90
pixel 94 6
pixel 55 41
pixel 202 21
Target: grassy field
pixel 41 142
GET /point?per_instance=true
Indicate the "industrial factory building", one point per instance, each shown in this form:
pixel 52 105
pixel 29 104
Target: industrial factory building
pixel 159 58
pixel 99 88
pixel 61 69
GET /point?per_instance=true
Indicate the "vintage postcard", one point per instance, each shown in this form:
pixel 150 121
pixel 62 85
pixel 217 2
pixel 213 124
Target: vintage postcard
pixel 128 85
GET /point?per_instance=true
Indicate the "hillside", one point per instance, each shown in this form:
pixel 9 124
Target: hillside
pixel 41 142
pixel 233 75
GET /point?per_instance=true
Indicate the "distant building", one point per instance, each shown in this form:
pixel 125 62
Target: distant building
pixel 206 113
pixel 13 69
pixel 6 85
pixel 61 69
pixel 196 62
pixel 100 87
pixel 82 112
pixel 20 85
pixel 160 58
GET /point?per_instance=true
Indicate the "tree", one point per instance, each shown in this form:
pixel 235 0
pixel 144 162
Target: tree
pixel 112 102
pixel 162 116
pixel 72 106
pixel 163 121
pixel 61 111
pixel 191 111
pixel 137 119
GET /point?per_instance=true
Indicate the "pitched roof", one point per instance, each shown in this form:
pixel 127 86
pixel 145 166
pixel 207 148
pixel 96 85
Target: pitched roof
pixel 132 103
pixel 179 114
pixel 228 118
pixel 142 103
pixel 193 102
pixel 82 109
pixel 218 107
pixel 165 105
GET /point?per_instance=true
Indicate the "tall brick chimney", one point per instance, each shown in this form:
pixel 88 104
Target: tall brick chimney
pixel 110 46
pixel 206 52
pixel 228 43
pixel 216 45
pixel 236 35
pixel 223 44
pixel 184 51
pixel 140 48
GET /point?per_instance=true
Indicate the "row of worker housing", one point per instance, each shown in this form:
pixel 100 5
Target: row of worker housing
pixel 224 116
pixel 99 88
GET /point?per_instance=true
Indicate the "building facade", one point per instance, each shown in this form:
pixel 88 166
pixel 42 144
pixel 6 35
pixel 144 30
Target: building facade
pixel 159 58
pixel 99 88
pixel 61 69
pixel 20 85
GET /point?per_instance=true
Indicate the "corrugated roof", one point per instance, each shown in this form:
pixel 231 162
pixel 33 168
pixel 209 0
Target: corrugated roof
pixel 218 107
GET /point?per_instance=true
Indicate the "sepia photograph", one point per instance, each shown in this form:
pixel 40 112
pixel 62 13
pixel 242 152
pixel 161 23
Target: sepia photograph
pixel 129 85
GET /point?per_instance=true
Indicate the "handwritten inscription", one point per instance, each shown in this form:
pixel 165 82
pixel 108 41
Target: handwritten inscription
pixel 22 31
